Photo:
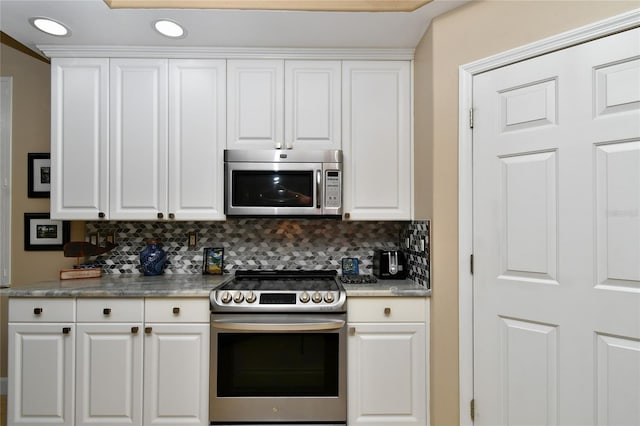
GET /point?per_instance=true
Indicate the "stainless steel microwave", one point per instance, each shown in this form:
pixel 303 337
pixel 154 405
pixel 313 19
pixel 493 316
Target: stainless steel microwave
pixel 283 183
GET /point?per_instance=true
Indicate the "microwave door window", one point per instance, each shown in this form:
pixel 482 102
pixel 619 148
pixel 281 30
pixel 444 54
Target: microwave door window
pixel 272 189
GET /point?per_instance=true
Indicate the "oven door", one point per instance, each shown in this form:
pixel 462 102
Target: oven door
pixel 277 368
pixel 267 189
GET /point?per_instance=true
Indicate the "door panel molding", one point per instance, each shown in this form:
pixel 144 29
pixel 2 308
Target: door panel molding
pixel 465 177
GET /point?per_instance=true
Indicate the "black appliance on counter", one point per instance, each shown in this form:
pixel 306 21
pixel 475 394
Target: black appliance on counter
pixel 389 264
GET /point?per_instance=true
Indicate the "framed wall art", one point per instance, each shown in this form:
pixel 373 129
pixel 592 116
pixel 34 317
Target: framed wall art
pixel 42 233
pixel 39 170
pixel 213 261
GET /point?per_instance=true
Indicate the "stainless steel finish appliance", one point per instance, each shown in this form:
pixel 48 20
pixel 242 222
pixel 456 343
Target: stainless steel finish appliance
pixel 283 183
pixel 278 349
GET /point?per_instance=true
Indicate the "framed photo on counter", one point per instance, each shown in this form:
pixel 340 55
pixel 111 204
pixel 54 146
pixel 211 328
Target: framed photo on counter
pixel 39 175
pixel 213 261
pixel 42 233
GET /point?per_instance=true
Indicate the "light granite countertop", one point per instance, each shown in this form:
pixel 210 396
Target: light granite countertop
pixel 403 288
pixel 181 285
pixel 133 285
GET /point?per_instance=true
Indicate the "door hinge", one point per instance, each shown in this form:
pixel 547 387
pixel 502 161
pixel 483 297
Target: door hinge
pixel 472 409
pixel 471 118
pixel 471 264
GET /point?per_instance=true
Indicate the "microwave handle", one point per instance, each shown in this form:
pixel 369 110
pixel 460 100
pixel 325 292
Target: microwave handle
pixel 318 189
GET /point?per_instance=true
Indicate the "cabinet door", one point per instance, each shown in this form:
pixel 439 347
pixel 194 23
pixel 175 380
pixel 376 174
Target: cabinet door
pixel 79 138
pixel 387 374
pixel 138 168
pixel 176 378
pixel 41 374
pixel 197 114
pixel 376 140
pixel 109 374
pixel 255 104
pixel 312 104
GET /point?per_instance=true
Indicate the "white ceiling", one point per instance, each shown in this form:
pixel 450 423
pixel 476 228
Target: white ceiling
pixel 92 23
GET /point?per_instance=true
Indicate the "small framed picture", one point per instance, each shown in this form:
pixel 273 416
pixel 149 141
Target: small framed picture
pixel 213 261
pixel 39 169
pixel 350 266
pixel 42 233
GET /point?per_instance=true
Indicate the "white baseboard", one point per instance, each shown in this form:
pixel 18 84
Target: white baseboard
pixel 3 385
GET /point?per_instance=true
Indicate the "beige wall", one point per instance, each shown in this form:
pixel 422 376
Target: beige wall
pixel 475 31
pixel 30 133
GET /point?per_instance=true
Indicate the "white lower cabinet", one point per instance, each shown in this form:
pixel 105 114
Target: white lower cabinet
pixel 109 361
pixel 41 362
pixel 387 361
pixel 131 361
pixel 176 362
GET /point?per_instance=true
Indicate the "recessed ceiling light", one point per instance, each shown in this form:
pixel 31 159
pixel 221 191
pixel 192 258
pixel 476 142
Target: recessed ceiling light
pixel 169 28
pixel 51 27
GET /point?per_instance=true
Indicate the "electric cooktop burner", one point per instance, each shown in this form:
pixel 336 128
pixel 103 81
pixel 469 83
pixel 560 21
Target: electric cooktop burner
pixel 280 291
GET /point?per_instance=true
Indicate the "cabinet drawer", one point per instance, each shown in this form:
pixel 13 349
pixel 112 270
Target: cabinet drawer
pixel 386 309
pixel 110 310
pixel 35 309
pixel 177 309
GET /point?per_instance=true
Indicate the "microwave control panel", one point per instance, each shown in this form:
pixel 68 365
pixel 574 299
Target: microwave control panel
pixel 332 185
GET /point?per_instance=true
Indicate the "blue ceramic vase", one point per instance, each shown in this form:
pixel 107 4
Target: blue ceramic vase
pixel 153 258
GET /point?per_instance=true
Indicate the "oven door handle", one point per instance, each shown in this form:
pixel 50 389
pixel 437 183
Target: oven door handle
pixel 288 326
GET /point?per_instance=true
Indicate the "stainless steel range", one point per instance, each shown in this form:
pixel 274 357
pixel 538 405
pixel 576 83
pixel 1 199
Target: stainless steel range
pixel 278 349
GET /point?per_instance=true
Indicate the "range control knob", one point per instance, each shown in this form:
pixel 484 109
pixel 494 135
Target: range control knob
pixel 329 298
pixel 225 297
pixel 304 297
pixel 251 297
pixel 238 298
pixel 317 297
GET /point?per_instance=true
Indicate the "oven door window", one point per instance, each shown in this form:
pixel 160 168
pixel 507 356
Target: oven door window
pixel 277 365
pixel 272 189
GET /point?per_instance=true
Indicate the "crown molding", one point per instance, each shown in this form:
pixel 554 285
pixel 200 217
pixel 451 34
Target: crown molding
pixel 303 5
pixel 75 51
pixel 7 40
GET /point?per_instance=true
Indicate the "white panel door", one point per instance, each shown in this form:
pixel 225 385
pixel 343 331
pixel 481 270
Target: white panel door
pixel 376 140
pixel 197 126
pixel 176 374
pixel 41 374
pixel 79 138
pixel 255 104
pixel 387 374
pixel 312 100
pixel 138 137
pixel 109 374
pixel 557 238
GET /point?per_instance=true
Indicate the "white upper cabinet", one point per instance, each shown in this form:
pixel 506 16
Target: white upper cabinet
pixel 197 132
pixel 79 138
pixel 255 104
pixel 376 140
pixel 167 139
pixel 276 104
pixel 312 105
pixel 138 172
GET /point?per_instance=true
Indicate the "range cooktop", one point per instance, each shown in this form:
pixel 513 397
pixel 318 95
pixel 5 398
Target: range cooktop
pixel 280 291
